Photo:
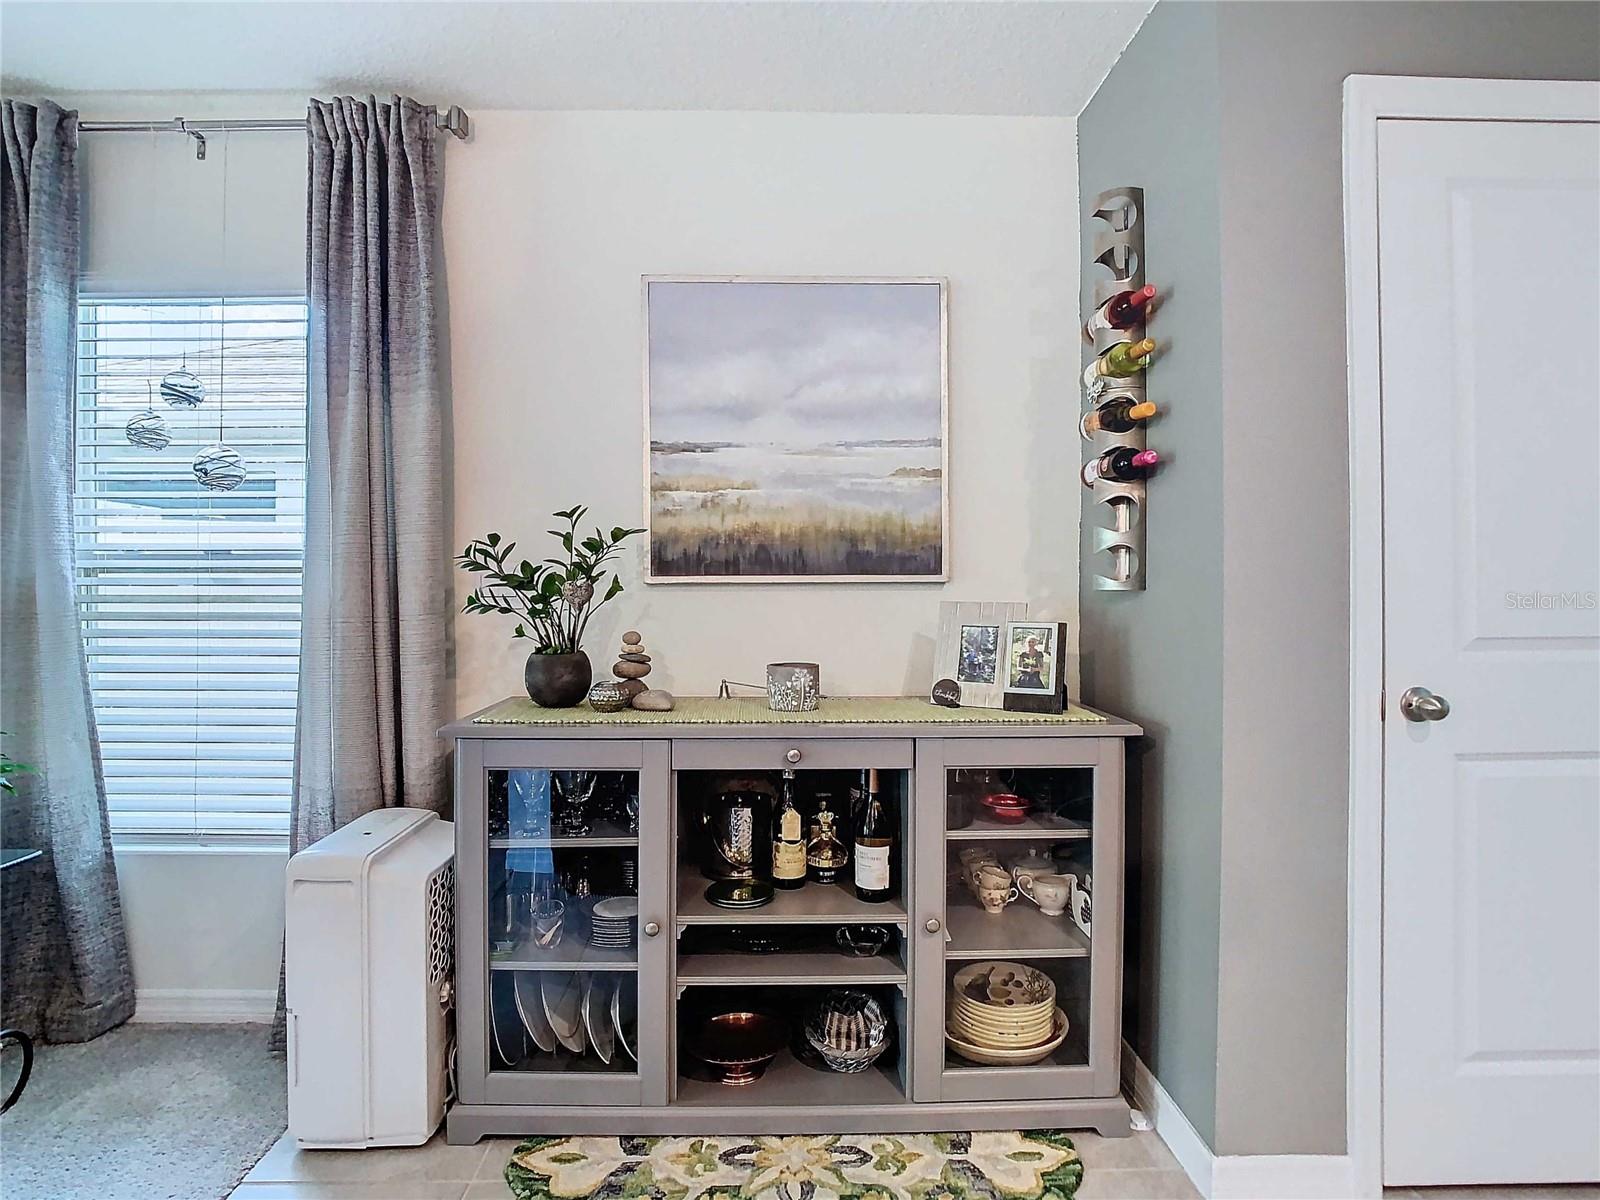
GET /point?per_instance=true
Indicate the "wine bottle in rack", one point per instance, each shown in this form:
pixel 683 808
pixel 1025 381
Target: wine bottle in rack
pixel 1120 464
pixel 874 842
pixel 788 839
pixel 1119 362
pixel 1122 311
pixel 1117 415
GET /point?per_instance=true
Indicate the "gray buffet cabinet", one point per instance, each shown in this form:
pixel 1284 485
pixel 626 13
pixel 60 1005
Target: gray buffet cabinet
pixel 640 780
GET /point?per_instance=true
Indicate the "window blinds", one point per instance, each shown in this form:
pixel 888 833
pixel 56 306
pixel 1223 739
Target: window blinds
pixel 190 598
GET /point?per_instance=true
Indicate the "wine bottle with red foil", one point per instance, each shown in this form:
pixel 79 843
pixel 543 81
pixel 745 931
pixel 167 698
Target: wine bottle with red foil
pixel 1120 464
pixel 1119 362
pixel 1122 311
pixel 1117 415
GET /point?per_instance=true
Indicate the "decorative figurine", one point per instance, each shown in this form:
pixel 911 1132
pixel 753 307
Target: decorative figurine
pixel 633 664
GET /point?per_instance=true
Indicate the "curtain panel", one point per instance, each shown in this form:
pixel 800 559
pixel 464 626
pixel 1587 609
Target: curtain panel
pixel 65 955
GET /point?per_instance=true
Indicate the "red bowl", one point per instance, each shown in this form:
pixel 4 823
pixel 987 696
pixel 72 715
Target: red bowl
pixel 1008 816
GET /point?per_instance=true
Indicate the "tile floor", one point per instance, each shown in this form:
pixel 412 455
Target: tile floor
pixel 1134 1168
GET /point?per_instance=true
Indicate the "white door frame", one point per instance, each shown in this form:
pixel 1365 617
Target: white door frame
pixel 1369 99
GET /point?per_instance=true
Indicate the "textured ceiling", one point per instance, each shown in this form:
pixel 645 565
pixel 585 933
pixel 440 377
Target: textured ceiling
pixel 897 57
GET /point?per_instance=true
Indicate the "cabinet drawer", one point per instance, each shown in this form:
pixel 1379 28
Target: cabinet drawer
pixel 773 754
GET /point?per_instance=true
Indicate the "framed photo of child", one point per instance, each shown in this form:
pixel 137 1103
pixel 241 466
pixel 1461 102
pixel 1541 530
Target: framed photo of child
pixel 968 655
pixel 1035 658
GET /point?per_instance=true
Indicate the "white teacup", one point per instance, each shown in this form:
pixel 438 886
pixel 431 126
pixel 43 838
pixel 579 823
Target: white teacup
pixel 1050 892
pixel 994 888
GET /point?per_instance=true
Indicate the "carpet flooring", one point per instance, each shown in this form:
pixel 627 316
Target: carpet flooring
pixel 147 1112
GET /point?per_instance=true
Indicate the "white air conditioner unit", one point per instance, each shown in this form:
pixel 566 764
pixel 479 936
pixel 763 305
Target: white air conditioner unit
pixel 369 959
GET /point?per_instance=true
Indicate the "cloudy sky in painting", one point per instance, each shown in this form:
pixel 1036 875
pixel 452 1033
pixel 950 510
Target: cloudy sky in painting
pixel 799 364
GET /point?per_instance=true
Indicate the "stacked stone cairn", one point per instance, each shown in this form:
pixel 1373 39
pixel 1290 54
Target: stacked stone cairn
pixel 633 664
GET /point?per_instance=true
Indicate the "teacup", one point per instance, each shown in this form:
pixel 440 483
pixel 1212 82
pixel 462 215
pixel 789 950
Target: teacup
pixel 977 867
pixel 1050 892
pixel 994 888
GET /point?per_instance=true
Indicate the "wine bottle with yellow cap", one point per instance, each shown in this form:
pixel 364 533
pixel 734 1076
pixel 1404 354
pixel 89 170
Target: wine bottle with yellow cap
pixel 1117 415
pixel 1119 362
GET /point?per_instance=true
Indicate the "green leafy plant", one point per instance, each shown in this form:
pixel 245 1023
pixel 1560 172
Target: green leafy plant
pixel 553 599
pixel 10 766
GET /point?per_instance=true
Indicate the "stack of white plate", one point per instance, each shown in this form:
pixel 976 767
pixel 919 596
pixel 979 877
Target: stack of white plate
pixel 614 922
pixel 1004 1014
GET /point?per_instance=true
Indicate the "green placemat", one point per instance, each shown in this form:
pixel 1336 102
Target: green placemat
pixel 1040 1165
pixel 753 710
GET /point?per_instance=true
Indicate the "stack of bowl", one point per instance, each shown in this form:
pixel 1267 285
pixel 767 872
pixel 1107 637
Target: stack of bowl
pixel 1004 1014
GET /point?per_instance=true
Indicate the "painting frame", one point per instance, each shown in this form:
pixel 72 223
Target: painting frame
pixel 955 618
pixel 1050 696
pixel 648 572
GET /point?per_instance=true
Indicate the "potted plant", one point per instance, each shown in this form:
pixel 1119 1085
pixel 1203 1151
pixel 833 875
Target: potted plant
pixel 553 601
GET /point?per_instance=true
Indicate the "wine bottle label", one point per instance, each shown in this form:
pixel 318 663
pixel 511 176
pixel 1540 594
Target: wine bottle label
pixel 788 860
pixel 872 868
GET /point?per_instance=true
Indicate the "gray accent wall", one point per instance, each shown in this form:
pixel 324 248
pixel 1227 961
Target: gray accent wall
pixel 1235 659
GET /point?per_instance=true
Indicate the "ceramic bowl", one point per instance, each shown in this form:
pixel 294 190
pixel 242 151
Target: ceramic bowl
pixel 991 1056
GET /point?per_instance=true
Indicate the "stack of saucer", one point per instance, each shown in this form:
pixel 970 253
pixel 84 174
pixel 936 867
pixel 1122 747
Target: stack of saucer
pixel 613 925
pixel 1004 1014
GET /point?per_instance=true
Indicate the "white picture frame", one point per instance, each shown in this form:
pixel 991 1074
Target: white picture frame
pixel 954 647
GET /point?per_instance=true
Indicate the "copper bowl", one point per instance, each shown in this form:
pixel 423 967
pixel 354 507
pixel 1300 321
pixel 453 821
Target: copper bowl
pixel 739 1046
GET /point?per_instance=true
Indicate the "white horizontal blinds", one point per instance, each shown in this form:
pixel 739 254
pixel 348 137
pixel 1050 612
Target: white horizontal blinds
pixel 191 598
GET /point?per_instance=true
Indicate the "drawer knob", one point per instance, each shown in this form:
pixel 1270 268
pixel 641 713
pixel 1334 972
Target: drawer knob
pixel 792 754
pixel 651 928
pixel 931 925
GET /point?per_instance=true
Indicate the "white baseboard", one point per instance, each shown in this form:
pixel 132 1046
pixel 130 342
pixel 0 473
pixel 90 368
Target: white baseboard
pixel 1185 1142
pixel 1234 1176
pixel 183 1006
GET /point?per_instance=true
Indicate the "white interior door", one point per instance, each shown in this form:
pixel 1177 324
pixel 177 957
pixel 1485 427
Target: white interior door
pixel 1489 266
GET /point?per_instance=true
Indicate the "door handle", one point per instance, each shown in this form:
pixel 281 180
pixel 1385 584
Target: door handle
pixel 1419 704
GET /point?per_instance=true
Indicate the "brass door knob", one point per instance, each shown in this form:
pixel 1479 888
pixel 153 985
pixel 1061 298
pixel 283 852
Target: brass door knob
pixel 932 925
pixel 651 928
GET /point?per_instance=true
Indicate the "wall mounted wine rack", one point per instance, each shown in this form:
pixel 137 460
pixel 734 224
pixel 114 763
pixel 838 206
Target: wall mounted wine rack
pixel 1118 520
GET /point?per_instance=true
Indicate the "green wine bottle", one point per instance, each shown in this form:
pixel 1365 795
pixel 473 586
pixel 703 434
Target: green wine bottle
pixel 1119 362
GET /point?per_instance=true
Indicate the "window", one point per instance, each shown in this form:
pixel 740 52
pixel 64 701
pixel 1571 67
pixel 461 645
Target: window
pixel 191 598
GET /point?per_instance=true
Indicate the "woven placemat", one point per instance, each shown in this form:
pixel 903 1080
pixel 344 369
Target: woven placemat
pixel 753 710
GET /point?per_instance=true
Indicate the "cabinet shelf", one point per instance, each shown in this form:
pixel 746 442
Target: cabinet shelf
pixel 792 1083
pixel 1038 828
pixel 814 904
pixel 801 970
pixel 602 835
pixel 569 956
pixel 1022 931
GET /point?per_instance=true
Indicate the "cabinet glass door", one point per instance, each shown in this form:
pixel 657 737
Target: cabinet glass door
pixel 571 952
pixel 1016 843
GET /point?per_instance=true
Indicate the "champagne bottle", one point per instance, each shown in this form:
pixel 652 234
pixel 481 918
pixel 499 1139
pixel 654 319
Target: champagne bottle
pixel 874 842
pixel 1122 311
pixel 1120 464
pixel 788 839
pixel 1117 415
pixel 1119 362
pixel 826 852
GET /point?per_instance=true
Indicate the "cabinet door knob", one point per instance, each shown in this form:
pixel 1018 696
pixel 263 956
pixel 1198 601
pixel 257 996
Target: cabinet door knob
pixel 793 754
pixel 651 928
pixel 931 925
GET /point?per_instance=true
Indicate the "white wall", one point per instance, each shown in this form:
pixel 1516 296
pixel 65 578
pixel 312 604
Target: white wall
pixel 550 220
pixel 205 927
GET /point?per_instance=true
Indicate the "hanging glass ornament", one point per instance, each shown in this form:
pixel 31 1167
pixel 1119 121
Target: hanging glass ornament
pixel 149 429
pixel 182 388
pixel 219 467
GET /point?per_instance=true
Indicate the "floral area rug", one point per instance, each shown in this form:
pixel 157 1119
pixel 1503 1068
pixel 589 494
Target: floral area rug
pixel 1038 1165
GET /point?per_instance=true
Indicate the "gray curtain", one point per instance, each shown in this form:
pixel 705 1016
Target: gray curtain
pixel 377 586
pixel 63 952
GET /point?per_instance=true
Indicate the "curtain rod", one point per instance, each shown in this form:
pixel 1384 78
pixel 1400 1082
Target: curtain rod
pixel 453 121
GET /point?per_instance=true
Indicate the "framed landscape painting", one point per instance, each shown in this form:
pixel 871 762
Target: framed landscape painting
pixel 795 430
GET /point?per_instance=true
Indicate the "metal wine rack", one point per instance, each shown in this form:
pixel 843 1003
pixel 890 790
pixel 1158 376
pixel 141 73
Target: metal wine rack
pixel 1117 523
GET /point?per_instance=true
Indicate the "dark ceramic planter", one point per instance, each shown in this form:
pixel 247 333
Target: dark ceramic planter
pixel 557 680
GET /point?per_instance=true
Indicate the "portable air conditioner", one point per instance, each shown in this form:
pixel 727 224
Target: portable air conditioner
pixel 369 959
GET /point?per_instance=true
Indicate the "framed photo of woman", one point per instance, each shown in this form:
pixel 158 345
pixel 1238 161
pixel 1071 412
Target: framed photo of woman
pixel 1035 654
